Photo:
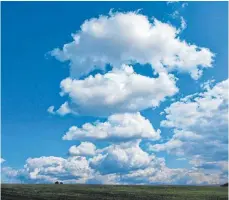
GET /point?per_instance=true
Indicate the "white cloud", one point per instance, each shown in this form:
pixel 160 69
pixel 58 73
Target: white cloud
pixel 196 112
pixel 186 135
pixel 183 24
pixel 51 109
pixel 118 91
pixel 168 146
pixel 56 168
pixel 9 171
pixel 117 127
pixel 179 176
pixel 121 158
pixel 208 84
pixel 63 110
pixel 181 139
pixel 158 173
pixel 84 149
pixel 126 38
pixel 200 123
pixel 124 163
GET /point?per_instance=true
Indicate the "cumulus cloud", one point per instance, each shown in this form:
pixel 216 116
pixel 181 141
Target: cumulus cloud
pixel 122 163
pixel 128 164
pixel 121 158
pixel 84 149
pixel 200 123
pixel 49 169
pixel 202 111
pixel 126 38
pixel 181 139
pixel 118 91
pixel 125 126
pixel 156 173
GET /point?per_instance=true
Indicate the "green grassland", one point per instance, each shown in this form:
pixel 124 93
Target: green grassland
pixel 108 192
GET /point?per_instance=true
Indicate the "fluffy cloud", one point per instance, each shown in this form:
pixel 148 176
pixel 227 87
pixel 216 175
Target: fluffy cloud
pixel 49 169
pixel 84 149
pixel 2 160
pixel 196 110
pixel 156 173
pixel 127 163
pixel 121 158
pixel 118 91
pixel 200 123
pixel 123 163
pixel 131 38
pixel 117 127
pixel 180 140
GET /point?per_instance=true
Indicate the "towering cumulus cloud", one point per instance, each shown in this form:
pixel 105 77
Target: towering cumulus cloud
pixel 132 38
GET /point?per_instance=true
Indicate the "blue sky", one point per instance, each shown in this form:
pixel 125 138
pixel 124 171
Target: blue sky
pixel 32 73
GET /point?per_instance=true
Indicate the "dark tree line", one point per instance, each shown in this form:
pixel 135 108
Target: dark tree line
pixel 224 185
pixel 57 182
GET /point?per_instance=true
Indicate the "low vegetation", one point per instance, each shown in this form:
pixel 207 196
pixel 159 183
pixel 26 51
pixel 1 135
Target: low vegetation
pixel 110 192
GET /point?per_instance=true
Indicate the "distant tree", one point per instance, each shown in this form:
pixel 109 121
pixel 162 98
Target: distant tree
pixel 224 185
pixel 61 182
pixel 56 182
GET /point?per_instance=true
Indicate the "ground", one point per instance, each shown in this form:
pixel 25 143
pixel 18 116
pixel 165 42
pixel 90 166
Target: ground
pixel 108 192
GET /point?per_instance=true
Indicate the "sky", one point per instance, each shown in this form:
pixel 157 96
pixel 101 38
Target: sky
pixel 114 92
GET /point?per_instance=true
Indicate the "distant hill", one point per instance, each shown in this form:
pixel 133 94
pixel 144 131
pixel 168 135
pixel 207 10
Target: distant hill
pixel 224 185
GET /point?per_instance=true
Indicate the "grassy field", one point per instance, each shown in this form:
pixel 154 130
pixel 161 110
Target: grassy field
pixel 102 192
